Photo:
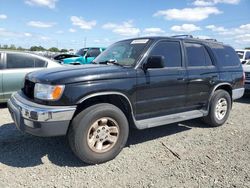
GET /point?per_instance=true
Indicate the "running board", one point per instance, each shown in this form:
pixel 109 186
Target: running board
pixel 173 118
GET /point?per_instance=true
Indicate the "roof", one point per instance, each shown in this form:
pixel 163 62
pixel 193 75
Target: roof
pixel 179 37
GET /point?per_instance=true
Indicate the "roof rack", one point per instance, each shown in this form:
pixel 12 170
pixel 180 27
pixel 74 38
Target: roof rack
pixel 183 36
pixel 214 40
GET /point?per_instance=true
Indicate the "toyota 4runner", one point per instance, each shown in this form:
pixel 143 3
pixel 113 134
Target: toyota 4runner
pixel 141 83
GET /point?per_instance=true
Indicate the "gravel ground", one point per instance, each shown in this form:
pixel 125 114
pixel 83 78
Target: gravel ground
pixel 188 154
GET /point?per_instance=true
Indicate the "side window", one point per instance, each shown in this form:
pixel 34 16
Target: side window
pixel 208 58
pixel 226 55
pixel 197 55
pixel 171 51
pixel 1 61
pixel 247 56
pixel 16 61
pixel 94 52
pixel 40 63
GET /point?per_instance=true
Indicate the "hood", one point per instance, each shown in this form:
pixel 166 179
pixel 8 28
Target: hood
pixel 80 73
pixel 72 59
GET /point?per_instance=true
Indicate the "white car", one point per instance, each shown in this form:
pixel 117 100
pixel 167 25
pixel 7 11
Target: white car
pixel 247 74
pixel 244 55
pixel 13 68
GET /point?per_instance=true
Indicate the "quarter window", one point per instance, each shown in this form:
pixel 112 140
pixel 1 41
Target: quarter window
pixel 40 63
pixel 226 55
pixel 197 55
pixel 170 50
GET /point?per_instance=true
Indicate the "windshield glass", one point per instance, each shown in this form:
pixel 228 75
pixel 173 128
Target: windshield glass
pixel 240 54
pixel 124 53
pixel 81 52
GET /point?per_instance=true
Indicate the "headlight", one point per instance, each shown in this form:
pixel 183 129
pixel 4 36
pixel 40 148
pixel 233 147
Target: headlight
pixel 48 92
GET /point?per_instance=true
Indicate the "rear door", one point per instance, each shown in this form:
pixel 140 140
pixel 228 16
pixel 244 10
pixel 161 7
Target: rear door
pixel 202 74
pixel 17 65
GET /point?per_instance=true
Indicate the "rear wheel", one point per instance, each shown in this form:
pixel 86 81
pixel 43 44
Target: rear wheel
pixel 98 133
pixel 219 110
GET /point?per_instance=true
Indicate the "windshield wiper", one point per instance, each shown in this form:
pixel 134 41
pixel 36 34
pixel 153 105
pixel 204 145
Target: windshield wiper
pixel 107 62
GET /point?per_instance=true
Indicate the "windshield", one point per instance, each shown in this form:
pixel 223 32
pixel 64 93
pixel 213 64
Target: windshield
pixel 123 53
pixel 81 52
pixel 240 54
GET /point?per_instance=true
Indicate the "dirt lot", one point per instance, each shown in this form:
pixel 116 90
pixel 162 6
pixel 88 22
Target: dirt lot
pixel 200 157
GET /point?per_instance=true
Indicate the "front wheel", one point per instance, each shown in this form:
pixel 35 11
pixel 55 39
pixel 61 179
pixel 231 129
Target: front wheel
pixel 98 133
pixel 219 110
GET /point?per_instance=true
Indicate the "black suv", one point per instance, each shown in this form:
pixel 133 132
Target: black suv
pixel 141 82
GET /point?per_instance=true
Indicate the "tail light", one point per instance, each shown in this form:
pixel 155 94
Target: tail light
pixel 243 79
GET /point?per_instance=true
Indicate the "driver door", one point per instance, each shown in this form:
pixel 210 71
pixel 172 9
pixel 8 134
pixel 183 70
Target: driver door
pixel 162 91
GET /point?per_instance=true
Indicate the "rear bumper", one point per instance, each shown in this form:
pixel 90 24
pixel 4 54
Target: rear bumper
pixel 247 87
pixel 39 120
pixel 238 93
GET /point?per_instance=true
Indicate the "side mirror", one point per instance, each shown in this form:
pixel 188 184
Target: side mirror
pixel 154 62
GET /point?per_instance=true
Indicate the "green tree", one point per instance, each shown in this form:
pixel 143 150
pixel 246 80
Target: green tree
pixel 5 46
pixel 20 48
pixel 37 48
pixel 53 49
pixel 12 47
pixel 64 50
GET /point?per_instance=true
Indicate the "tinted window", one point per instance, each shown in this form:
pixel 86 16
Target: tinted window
pixel 94 52
pixel 197 55
pixel 19 61
pixel 1 62
pixel 171 51
pixel 82 52
pixel 247 56
pixel 40 63
pixel 226 55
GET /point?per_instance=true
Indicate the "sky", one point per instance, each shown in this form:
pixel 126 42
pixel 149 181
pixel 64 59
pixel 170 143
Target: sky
pixel 76 24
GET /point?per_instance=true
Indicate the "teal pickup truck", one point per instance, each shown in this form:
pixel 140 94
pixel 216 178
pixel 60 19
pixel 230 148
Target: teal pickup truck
pixel 84 56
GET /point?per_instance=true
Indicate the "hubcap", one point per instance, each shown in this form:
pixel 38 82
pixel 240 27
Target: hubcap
pixel 103 135
pixel 221 108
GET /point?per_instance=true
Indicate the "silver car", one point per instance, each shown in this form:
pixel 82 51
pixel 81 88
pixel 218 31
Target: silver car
pixel 13 68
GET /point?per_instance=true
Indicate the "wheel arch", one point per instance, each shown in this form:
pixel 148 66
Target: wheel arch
pixel 118 99
pixel 224 86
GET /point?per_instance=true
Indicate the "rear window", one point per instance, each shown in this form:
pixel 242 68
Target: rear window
pixel 226 55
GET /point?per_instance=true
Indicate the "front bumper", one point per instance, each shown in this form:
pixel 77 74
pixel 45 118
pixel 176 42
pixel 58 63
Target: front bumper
pixel 39 120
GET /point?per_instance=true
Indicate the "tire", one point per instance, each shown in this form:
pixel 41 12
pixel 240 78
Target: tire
pixel 218 115
pixel 95 147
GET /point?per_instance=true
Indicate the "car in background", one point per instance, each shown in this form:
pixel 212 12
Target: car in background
pixel 84 56
pixel 63 56
pixel 246 69
pixel 244 55
pixel 13 68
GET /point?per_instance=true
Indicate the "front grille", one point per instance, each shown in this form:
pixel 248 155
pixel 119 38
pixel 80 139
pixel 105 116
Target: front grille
pixel 28 89
pixel 248 76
